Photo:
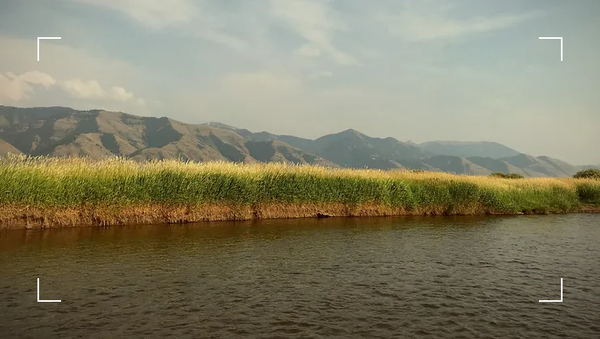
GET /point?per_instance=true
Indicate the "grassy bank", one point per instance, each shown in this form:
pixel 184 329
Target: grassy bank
pixel 50 192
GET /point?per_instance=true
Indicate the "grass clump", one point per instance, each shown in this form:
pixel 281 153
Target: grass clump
pixel 588 191
pixel 273 189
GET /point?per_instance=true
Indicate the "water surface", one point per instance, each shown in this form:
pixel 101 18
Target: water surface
pixel 435 277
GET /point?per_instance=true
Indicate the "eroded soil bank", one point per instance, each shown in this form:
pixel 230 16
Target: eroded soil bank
pixel 27 217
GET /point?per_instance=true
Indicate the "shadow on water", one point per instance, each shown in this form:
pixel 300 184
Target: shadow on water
pixel 265 229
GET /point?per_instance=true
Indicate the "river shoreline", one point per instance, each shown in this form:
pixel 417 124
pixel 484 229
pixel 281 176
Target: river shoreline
pixel 28 217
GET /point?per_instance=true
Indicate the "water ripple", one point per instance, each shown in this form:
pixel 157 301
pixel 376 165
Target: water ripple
pixel 333 278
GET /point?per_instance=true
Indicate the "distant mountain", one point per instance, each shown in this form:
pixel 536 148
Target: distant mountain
pixel 468 149
pixel 496 165
pixel 61 131
pixel 456 165
pixel 351 148
pixel 541 166
pixel 560 166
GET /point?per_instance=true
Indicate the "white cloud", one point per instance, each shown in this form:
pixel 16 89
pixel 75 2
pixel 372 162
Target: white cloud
pixel 92 90
pixel 308 50
pixel 284 103
pixel 190 15
pixel 14 88
pixel 80 89
pixel 155 14
pixel 313 20
pixel 120 94
pixel 256 96
pixel 223 39
pixel 75 72
pixel 420 23
pixel 67 62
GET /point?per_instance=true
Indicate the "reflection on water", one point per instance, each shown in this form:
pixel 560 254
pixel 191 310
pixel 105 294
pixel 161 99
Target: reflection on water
pixel 427 277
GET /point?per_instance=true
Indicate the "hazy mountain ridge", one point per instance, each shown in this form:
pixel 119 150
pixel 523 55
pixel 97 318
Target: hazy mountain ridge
pixel 469 149
pixel 60 131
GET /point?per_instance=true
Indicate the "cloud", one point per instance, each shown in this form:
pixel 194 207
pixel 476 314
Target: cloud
pixel 308 51
pixel 92 90
pixel 223 39
pixel 285 103
pixel 154 14
pixel 67 62
pixel 313 20
pixel 244 32
pixel 83 89
pixel 419 24
pixel 189 15
pixel 14 88
pixel 120 94
pixel 258 95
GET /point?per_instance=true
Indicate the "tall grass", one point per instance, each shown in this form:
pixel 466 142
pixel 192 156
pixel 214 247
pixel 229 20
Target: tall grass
pixel 76 182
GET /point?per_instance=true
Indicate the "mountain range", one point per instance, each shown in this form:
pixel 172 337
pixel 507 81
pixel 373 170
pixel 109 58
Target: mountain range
pixel 62 131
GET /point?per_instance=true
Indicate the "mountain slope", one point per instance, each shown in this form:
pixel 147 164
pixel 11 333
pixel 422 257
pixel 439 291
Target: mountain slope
pixel 6 148
pixel 468 149
pixel 456 165
pixel 541 166
pixel 353 149
pixel 560 166
pixel 496 165
pixel 60 131
pixel 277 151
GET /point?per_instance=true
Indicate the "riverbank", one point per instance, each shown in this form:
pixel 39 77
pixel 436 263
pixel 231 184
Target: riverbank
pixel 53 192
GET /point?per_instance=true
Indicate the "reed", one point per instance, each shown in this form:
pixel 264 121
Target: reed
pixel 34 191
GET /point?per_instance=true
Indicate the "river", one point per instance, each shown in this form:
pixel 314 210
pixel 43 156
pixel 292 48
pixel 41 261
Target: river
pixel 412 277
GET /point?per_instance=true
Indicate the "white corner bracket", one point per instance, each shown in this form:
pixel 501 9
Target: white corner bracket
pixel 561 295
pixel 44 38
pixel 555 38
pixel 38 295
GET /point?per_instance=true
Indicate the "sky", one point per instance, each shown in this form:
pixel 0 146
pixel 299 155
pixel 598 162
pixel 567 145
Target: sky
pixel 464 70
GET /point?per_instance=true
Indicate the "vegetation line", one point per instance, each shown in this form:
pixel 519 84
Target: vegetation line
pixel 58 192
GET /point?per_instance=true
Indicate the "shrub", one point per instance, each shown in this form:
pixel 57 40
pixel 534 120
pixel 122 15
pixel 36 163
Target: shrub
pixel 592 173
pixel 507 176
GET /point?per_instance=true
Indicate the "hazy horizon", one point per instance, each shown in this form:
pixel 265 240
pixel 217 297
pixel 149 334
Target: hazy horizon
pixel 461 70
